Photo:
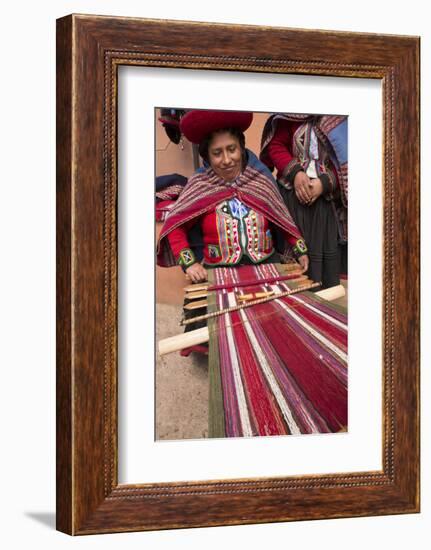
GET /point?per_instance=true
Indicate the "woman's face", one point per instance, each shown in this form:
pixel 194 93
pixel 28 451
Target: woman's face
pixel 224 155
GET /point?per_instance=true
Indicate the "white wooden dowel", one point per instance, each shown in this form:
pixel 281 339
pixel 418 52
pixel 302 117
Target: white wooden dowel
pixel 185 340
pixel 331 293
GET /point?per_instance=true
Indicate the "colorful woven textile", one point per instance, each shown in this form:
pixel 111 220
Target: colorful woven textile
pixel 279 367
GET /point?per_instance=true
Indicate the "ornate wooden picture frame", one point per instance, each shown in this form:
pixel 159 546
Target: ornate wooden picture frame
pixel 89 51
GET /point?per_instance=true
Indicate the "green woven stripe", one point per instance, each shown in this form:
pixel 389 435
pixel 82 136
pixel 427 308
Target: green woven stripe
pixel 216 425
pixel 331 305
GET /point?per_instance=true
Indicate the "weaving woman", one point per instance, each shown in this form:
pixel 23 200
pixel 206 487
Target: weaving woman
pixel 233 198
pixel 310 155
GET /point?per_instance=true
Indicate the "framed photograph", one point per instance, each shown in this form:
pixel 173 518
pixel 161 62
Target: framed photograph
pixel 192 161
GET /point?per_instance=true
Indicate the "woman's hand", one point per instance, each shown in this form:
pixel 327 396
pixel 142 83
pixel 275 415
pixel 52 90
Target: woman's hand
pixel 316 189
pixel 303 262
pixel 302 185
pixel 196 273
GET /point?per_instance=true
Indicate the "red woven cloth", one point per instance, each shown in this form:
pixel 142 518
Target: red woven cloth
pixel 282 364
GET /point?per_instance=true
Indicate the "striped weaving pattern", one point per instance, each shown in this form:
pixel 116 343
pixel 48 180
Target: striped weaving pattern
pixel 279 367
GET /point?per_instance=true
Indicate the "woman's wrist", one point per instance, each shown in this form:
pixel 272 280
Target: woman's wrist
pixel 300 248
pixel 326 184
pixel 186 258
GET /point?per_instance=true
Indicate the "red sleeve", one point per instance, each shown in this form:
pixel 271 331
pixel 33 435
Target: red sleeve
pixel 178 238
pixel 290 239
pixel 298 244
pixel 278 147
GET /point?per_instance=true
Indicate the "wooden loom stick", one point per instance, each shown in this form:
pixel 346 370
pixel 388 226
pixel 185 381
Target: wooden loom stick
pixel 197 295
pixel 204 293
pixel 184 340
pixel 249 304
pixel 328 294
pixel 191 306
pixel 245 297
pixel 332 293
pixel 200 287
pixel 196 305
pixel 291 267
pixel 196 286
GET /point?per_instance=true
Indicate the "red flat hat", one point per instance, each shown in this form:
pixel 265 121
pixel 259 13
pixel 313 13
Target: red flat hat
pixel 197 124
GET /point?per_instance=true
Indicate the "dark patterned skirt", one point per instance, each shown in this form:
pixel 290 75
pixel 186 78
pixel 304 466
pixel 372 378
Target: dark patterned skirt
pixel 319 228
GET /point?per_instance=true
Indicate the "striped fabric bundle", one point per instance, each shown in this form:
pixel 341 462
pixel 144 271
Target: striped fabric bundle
pixel 162 210
pixel 279 367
